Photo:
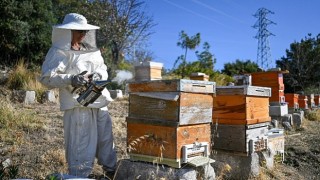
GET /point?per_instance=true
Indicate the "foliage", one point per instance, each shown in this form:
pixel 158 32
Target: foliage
pixel 240 67
pixel 25 29
pixel 8 171
pixel 313 115
pixel 221 79
pixel 22 78
pixel 123 25
pixel 186 42
pixel 302 61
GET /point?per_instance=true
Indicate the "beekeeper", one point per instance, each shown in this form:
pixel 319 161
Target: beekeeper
pixel 69 64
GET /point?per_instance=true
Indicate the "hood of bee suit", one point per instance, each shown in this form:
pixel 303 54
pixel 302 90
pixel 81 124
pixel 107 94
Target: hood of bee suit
pixel 62 35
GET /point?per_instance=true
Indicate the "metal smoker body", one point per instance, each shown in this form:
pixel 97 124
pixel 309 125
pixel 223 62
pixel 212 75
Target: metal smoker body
pixel 92 92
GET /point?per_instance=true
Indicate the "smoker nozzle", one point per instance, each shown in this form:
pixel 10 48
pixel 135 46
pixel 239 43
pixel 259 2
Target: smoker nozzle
pixel 102 84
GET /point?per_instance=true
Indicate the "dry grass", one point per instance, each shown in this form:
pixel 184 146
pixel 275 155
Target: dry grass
pixel 32 137
pixel 22 78
pixel 313 115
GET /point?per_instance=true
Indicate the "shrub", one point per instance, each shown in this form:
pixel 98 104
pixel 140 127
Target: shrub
pixel 22 78
pixel 313 115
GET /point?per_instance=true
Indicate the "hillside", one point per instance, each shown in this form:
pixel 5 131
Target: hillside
pixel 37 149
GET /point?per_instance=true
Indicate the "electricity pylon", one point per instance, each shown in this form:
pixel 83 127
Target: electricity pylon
pixel 264 53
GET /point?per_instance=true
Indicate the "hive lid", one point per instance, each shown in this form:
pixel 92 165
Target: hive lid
pixel 180 85
pixel 244 90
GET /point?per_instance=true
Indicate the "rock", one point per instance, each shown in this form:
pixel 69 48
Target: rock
pixel 297 120
pixel 128 170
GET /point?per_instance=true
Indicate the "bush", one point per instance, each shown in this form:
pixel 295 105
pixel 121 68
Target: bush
pixel 22 78
pixel 313 115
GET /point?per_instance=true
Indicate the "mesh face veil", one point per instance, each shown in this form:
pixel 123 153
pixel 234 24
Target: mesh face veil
pixel 62 33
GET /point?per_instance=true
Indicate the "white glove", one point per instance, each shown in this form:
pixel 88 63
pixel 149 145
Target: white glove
pixel 94 77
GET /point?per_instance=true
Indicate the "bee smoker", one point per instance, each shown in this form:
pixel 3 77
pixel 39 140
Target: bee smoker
pixel 92 92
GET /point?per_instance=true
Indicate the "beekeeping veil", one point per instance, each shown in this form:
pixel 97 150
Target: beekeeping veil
pixel 62 35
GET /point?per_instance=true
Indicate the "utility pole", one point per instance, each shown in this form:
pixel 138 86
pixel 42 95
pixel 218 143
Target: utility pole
pixel 263 55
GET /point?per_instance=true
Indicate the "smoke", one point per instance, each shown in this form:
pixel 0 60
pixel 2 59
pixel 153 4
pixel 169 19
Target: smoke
pixel 122 76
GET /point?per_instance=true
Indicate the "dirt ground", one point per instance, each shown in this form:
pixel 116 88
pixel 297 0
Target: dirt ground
pixel 40 152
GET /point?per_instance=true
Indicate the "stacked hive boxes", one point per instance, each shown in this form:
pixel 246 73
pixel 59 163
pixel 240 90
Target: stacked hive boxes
pixel 147 71
pixel 303 101
pixel 169 120
pixel 311 102
pixel 317 100
pixel 241 118
pixel 272 79
pixel 292 100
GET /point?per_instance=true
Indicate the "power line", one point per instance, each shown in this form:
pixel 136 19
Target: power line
pixel 263 54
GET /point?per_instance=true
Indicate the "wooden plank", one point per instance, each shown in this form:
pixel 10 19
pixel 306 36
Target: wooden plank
pixel 241 121
pixel 176 163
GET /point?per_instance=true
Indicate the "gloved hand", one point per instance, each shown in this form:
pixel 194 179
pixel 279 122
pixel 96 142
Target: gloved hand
pixel 94 77
pixel 79 80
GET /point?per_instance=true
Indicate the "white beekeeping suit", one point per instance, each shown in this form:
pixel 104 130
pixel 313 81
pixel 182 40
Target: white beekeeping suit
pixel 87 130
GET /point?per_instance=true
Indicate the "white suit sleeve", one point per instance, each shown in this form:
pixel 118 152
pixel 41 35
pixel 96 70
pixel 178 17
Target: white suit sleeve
pixel 53 70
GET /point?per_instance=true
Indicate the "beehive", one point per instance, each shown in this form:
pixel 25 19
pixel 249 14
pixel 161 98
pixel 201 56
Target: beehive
pixel 303 101
pixel 311 102
pixel 148 71
pixel 199 76
pixel 240 138
pixel 161 141
pixel 183 101
pixel 241 105
pixel 292 100
pixel 317 100
pixel 272 79
pixel 168 114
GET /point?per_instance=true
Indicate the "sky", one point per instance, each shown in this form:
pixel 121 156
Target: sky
pixel 227 26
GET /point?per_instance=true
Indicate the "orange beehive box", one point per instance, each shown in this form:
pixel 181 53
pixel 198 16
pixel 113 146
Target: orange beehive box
pixel 267 79
pixel 152 140
pixel 272 79
pixel 317 100
pixel 241 105
pixel 292 100
pixel 303 101
pixel 277 95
